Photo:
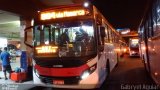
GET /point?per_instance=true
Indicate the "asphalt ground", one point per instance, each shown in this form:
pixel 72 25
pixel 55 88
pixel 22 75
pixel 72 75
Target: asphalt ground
pixel 130 74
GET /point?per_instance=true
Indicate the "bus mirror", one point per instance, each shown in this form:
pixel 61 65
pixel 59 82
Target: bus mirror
pixel 28 36
pixel 102 31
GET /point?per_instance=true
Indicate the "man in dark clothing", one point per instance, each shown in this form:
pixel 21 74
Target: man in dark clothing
pixel 5 57
pixel 83 35
pixel 64 39
pixel 0 50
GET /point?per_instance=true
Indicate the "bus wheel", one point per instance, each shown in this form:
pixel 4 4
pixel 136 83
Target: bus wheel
pixel 107 67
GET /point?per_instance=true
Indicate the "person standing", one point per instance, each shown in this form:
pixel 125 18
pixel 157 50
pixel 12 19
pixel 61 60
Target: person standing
pixel 64 38
pixel 6 67
pixel 0 50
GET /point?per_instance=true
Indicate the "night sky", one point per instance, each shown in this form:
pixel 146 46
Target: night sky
pixel 122 13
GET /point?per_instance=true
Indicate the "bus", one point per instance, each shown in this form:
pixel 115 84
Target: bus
pixel 149 34
pixel 84 59
pixel 134 46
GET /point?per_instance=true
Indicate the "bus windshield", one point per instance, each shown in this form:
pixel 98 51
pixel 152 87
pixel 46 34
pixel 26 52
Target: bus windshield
pixel 134 43
pixel 73 38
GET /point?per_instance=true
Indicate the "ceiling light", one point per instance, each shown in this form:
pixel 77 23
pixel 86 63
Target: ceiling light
pixel 86 4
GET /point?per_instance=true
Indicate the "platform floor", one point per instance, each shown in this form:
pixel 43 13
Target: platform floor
pixel 14 64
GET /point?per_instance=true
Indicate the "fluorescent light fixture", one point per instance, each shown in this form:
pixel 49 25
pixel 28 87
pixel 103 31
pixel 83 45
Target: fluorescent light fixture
pixel 3 42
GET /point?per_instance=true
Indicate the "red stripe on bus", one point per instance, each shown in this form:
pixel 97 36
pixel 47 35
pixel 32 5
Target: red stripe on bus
pixel 76 71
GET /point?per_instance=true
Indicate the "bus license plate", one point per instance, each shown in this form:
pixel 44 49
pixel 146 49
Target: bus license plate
pixel 58 82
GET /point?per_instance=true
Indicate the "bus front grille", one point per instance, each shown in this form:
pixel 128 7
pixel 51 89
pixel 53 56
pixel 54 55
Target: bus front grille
pixel 67 80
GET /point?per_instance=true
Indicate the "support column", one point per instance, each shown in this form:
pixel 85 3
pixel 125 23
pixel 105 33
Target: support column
pixel 24 23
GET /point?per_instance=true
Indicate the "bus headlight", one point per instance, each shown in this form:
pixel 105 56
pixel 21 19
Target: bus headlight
pixel 133 52
pixel 85 74
pixel 89 71
pixel 125 50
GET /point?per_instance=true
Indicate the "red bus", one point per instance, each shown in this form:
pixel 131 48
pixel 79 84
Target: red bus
pixel 89 53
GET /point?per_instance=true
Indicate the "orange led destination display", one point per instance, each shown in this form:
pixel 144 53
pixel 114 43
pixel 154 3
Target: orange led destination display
pixel 61 14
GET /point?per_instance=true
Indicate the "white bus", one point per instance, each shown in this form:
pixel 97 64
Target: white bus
pixel 72 63
pixel 149 33
pixel 134 46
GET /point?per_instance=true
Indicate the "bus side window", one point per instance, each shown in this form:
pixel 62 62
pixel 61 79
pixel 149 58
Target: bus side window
pixel 101 38
pixel 113 35
pixel 46 35
pixel 150 28
pixel 158 18
pixel 154 20
pixel 110 35
pixel 103 34
pixel 106 39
